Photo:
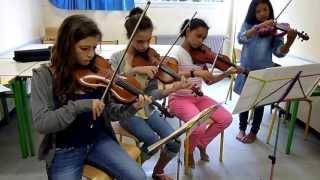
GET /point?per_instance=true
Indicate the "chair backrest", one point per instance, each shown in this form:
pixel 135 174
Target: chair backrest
pixel 153 40
pixel 118 130
pixel 50 35
pixel 115 42
pixel 237 53
pixel 109 42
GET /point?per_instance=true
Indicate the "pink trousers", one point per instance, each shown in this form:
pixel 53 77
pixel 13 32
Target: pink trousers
pixel 185 107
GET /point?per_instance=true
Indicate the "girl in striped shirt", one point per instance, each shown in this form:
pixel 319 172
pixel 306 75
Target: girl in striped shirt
pixel 184 104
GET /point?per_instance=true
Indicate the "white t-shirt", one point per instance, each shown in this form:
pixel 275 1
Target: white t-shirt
pixel 185 64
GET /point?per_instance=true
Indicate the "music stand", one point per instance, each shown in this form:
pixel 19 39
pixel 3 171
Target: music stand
pixel 201 117
pixel 275 85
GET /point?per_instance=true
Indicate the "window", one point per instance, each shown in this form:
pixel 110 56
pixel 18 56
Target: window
pixel 94 4
pixel 179 3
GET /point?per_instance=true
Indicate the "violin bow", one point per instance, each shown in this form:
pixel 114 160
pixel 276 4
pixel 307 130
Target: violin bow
pixel 176 40
pixel 219 52
pixel 283 9
pixel 125 52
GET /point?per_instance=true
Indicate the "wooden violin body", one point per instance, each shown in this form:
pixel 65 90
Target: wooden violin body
pixel 204 55
pixel 125 89
pixel 168 71
pixel 283 28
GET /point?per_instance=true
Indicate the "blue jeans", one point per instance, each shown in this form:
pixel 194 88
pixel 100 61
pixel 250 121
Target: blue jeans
pixel 150 131
pixel 106 153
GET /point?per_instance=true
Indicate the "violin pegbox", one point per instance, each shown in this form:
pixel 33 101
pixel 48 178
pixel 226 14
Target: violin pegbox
pixel 303 36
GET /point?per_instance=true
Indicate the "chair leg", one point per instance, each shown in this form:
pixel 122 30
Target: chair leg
pixel 286 115
pixel 186 155
pixel 274 116
pixel 221 145
pixel 229 93
pixel 306 131
pixel 120 138
pixel 186 152
pixel 5 111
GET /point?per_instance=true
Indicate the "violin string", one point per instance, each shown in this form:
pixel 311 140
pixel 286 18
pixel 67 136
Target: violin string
pixel 135 91
pixel 126 49
pixel 127 86
pixel 219 51
pixel 170 72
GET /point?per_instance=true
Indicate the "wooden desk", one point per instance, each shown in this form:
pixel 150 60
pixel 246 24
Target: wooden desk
pixel 13 70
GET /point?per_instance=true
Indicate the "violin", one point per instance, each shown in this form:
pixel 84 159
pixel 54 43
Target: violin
pixel 167 71
pixel 280 29
pixel 148 58
pixel 204 55
pixel 125 89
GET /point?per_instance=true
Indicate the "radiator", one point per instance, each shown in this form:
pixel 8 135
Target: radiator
pixel 212 41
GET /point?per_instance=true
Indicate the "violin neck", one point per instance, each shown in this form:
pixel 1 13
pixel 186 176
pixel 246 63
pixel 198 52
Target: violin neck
pixel 134 90
pixel 128 87
pixel 170 72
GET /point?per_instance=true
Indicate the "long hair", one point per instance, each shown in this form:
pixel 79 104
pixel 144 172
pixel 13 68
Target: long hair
pixel 251 17
pixel 132 19
pixel 194 24
pixel 64 60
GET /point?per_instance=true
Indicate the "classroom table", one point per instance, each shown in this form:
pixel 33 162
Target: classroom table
pixel 4 94
pixel 11 70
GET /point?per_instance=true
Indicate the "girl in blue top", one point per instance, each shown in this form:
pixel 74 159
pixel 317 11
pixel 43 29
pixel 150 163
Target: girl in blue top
pixel 256 54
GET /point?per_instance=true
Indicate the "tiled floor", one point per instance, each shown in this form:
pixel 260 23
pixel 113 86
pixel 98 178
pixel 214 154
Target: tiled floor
pixel 240 161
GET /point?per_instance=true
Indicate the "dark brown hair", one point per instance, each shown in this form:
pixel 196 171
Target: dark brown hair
pixel 251 17
pixel 132 19
pixel 194 24
pixel 64 60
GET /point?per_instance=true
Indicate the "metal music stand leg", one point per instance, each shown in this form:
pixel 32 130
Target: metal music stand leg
pixel 273 157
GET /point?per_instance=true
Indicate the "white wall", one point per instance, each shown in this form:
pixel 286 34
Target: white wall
pixel 24 21
pixel 303 16
pixel 21 21
pixel 166 20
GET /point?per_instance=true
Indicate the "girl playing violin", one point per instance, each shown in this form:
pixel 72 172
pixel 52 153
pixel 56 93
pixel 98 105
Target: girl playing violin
pixel 256 54
pixel 184 104
pixel 76 124
pixel 147 125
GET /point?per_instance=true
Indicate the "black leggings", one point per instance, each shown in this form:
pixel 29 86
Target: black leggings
pixel 257 118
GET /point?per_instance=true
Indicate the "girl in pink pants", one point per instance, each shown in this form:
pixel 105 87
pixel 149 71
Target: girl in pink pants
pixel 184 104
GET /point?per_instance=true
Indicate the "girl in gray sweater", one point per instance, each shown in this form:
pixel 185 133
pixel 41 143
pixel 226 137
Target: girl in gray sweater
pixel 76 124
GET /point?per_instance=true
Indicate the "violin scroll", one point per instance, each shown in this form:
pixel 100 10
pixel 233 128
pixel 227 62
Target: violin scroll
pixel 284 28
